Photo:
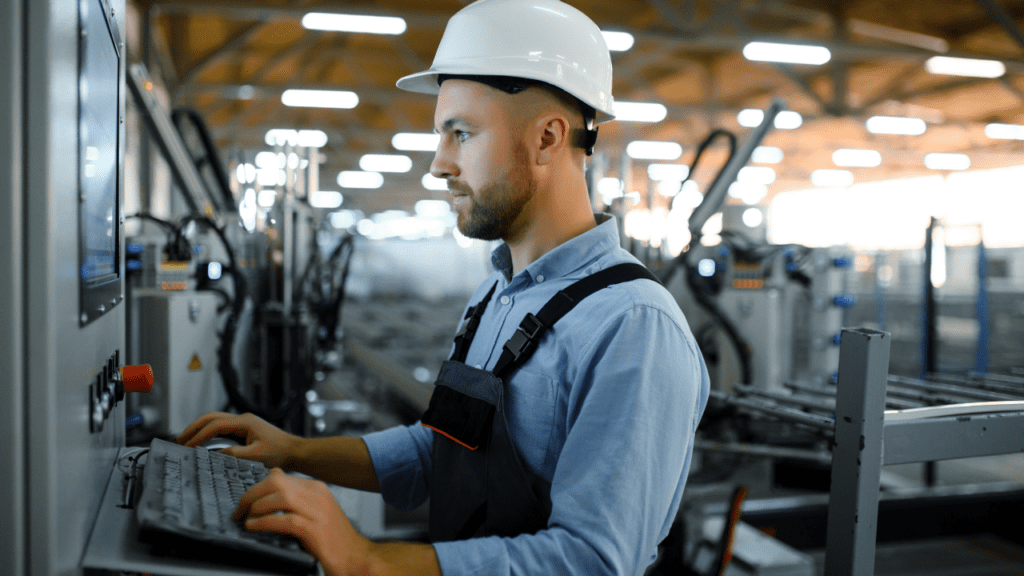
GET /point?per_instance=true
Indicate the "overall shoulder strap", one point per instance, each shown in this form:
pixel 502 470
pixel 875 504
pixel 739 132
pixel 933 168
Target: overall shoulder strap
pixel 521 346
pixel 469 325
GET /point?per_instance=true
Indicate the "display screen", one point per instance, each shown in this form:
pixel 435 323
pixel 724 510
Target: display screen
pixel 98 135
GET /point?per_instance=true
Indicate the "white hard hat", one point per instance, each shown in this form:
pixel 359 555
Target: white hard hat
pixel 544 40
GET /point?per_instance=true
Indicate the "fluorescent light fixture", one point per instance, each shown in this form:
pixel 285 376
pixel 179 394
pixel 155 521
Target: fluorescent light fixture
pixel 354 23
pixel 1005 131
pixel 345 218
pixel 609 188
pixel 689 196
pixel 972 67
pixel 319 98
pixel 786 53
pixel 358 179
pixel 752 217
pixel 416 141
pixel 639 111
pixel 245 173
pixel 946 161
pixel 431 183
pixel 668 172
pixel 304 138
pixel 766 155
pixel 785 120
pixel 748 192
pixel 266 198
pixel 385 163
pixel 857 158
pixel 651 150
pixel 756 175
pixel 432 208
pixel 326 199
pixel 832 178
pixel 896 125
pixel 617 41
pixel 267 160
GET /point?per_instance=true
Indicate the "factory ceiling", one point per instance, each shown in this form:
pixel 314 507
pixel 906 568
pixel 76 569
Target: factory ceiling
pixel 232 59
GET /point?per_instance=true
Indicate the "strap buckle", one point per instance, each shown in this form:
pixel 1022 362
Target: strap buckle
pixel 525 336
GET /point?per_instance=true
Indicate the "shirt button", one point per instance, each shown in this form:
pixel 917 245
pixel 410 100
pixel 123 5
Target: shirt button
pixel 540 277
pixel 505 300
pixel 479 367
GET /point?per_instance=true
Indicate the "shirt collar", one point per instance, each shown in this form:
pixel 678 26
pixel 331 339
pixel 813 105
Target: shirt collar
pixel 568 257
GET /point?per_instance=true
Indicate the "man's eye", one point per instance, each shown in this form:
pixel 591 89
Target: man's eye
pixel 461 136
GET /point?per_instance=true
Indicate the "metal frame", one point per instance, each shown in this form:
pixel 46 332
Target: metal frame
pixel 13 509
pixel 865 441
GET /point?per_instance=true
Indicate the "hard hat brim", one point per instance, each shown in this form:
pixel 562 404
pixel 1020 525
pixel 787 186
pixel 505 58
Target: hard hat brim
pixel 426 83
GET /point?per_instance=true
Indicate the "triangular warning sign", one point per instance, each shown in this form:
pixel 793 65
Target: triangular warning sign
pixel 195 364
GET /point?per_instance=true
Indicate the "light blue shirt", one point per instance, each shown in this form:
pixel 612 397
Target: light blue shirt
pixel 605 412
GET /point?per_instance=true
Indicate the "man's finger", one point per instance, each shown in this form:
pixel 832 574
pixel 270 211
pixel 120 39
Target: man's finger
pixel 198 425
pixel 228 425
pixel 289 524
pixel 259 490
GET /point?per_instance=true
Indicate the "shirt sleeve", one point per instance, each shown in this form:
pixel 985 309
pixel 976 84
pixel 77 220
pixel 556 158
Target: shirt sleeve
pixel 633 408
pixel 401 459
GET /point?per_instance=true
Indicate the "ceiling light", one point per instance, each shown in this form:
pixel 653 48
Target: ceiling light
pixel 618 41
pixel 748 192
pixel 832 178
pixel 268 160
pixel 304 138
pixel 766 155
pixel 756 175
pixel 753 217
pixel 1005 131
pixel 319 98
pixel 353 23
pixel 945 161
pixel 689 196
pixel 650 150
pixel 973 67
pixel 385 163
pixel 416 141
pixel 785 120
pixel 357 179
pixel 609 188
pixel 895 125
pixel 266 198
pixel 786 53
pixel 326 199
pixel 669 172
pixel 639 111
pixel 432 208
pixel 431 183
pixel 856 158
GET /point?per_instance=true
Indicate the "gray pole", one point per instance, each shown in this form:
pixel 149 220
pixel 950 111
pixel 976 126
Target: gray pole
pixel 857 455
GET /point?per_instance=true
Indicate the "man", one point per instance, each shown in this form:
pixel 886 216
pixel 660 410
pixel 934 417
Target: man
pixel 559 436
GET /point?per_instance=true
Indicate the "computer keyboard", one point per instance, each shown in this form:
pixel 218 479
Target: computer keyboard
pixel 188 496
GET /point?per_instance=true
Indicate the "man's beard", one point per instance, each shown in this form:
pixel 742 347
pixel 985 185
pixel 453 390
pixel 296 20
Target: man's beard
pixel 494 208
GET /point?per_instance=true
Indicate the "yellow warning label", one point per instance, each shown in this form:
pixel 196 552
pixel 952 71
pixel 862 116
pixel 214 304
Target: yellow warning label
pixel 195 364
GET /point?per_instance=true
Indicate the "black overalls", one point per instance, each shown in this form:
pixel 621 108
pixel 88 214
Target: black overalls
pixel 478 484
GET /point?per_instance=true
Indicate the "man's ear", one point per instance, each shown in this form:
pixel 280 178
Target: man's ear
pixel 554 134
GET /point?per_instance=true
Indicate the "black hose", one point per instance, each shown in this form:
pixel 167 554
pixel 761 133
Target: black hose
pixel 210 154
pixel 706 302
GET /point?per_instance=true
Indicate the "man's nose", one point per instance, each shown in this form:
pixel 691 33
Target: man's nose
pixel 443 166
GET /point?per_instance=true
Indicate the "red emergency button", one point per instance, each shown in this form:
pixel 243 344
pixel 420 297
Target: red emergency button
pixel 138 378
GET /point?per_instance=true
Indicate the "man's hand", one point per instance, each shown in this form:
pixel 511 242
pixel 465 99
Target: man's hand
pixel 263 442
pixel 306 510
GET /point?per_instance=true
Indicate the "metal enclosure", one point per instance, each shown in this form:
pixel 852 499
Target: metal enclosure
pixel 178 338
pixel 57 467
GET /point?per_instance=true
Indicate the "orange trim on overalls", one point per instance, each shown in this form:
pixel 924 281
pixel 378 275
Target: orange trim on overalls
pixel 449 436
